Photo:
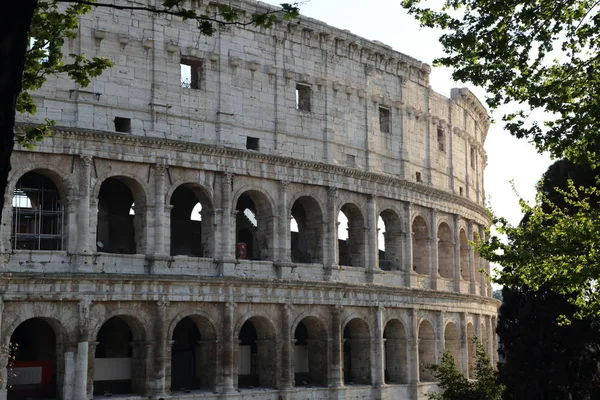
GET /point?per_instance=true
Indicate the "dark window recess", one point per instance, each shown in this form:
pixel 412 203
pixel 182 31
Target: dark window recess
pixel 473 157
pixel 303 94
pixel 251 143
pixel 384 119
pixel 191 73
pixel 418 177
pixel 350 160
pixel 123 124
pixel 460 189
pixel 441 139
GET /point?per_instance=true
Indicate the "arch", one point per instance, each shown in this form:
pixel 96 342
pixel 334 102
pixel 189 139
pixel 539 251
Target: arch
pixel 193 354
pixel 477 262
pixel 452 341
pixel 307 244
pixel 395 351
pixel 471 347
pixel 63 184
pixel 311 352
pixel 357 352
pixel 38 218
pixel 117 230
pixel 189 236
pixel 36 344
pixel 420 244
pixel 120 357
pixel 257 359
pixel 426 335
pixel 391 257
pixel 351 251
pixel 464 255
pixel 254 226
pixel 445 251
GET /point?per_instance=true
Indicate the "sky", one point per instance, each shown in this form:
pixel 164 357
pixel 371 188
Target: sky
pixel 386 21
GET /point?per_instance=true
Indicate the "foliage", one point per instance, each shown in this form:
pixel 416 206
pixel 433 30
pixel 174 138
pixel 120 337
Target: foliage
pixel 543 360
pixel 52 24
pixel 543 55
pixel 455 386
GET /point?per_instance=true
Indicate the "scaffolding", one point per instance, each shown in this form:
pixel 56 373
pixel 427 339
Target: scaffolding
pixel 37 214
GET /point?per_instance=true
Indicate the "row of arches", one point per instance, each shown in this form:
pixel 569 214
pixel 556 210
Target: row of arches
pixel 119 355
pixel 122 218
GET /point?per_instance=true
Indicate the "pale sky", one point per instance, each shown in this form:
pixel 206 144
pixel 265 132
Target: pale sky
pixel 386 21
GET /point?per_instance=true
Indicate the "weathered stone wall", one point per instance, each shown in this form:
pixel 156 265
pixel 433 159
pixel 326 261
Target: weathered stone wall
pixel 369 326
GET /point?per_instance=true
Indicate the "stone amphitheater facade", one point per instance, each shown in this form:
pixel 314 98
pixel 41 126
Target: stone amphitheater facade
pixel 115 282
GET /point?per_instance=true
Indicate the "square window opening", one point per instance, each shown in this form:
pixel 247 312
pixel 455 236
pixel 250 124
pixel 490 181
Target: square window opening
pixel 441 139
pixel 350 160
pixel 123 124
pixel 191 73
pixel 303 94
pixel 418 177
pixel 251 143
pixel 384 119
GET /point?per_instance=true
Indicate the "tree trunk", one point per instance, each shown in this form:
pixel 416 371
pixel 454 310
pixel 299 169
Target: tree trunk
pixel 15 20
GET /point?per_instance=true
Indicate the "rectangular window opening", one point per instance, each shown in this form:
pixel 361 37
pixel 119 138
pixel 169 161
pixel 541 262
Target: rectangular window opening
pixel 473 157
pixel 441 139
pixel 303 94
pixel 460 189
pixel 384 119
pixel 191 73
pixel 251 143
pixel 350 160
pixel 418 177
pixel 123 124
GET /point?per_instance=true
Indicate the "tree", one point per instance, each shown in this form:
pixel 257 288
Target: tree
pixel 542 359
pixel 542 56
pixel 32 34
pixel 455 386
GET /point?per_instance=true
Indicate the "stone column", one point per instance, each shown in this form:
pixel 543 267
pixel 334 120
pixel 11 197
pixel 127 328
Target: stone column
pixel 158 379
pixel 287 349
pixel 413 348
pixel 90 374
pixel 372 248
pixel 456 258
pixel 3 357
pixel 83 213
pixel 440 343
pixel 160 169
pixel 6 228
pixel 464 344
pixel 377 350
pixel 227 223
pixel 490 336
pixel 70 208
pixel 434 269
pixel 494 355
pixel 284 255
pixel 335 373
pixel 228 372
pixel 411 275
pixel 82 356
pixel 332 245
pixel 471 259
pixel 69 373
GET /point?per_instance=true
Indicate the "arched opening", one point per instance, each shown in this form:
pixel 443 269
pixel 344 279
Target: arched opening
pixel 394 337
pixel 256 354
pixel 191 222
pixel 471 347
pixel 119 227
pixel 420 241
pixel 390 241
pixel 357 353
pixel 445 251
pixel 193 355
pixel 38 222
pixel 254 227
pixel 351 236
pixel 310 353
pixel 464 255
pixel 452 341
pixel 32 371
pixel 426 351
pixel 119 360
pixel 306 240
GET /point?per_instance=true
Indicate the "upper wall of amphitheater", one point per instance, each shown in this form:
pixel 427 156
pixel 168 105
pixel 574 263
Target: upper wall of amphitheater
pixel 369 107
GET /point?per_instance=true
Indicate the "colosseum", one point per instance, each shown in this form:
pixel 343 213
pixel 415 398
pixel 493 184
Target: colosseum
pixel 264 214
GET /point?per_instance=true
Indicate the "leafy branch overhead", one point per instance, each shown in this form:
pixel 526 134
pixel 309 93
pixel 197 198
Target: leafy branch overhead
pixel 53 23
pixel 542 55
